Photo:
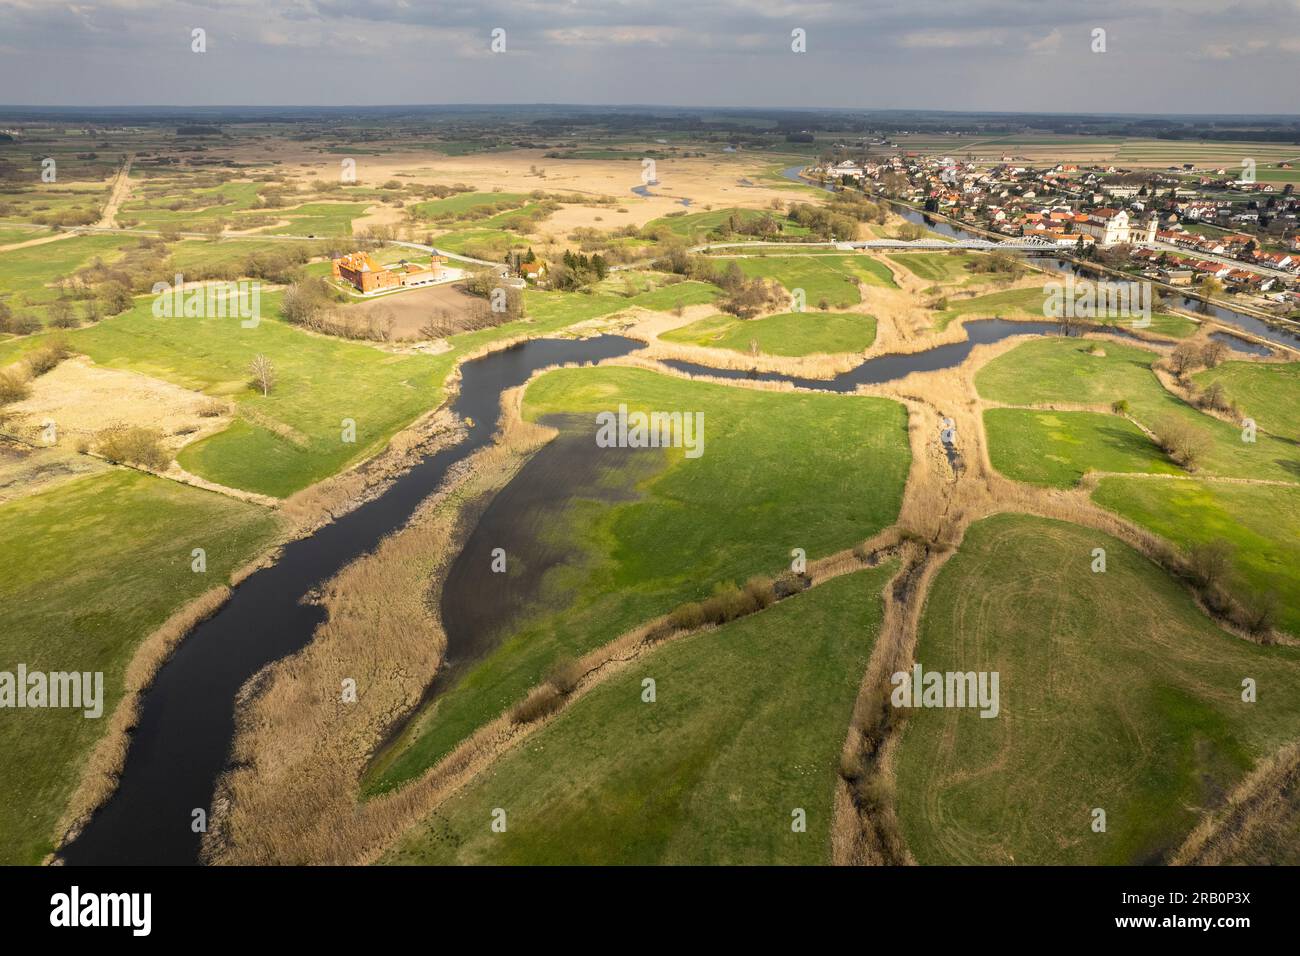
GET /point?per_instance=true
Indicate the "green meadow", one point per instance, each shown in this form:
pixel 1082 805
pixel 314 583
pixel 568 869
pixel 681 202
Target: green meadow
pixel 1260 522
pixel 1115 693
pixel 1267 392
pixel 1047 370
pixel 1058 448
pixel 88 569
pixel 792 333
pixel 709 773
pixel 779 471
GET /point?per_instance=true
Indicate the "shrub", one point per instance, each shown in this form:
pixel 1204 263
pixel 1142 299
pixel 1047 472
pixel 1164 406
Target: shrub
pixel 137 446
pixel 1181 441
pixel 13 387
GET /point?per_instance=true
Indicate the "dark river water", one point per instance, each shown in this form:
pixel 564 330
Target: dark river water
pixel 187 716
pixel 1283 335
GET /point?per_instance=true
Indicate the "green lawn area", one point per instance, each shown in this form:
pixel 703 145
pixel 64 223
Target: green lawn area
pixel 88 569
pixel 1261 522
pixel 792 333
pixel 1268 393
pixel 1058 448
pixel 314 219
pixel 779 470
pixel 709 773
pixel 1061 370
pixel 218 202
pixel 1116 692
pixel 10 234
pixel 832 278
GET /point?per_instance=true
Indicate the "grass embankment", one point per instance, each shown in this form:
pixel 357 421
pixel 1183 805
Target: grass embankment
pixel 89 569
pixel 1062 370
pixel 779 471
pixel 791 333
pixel 1116 693
pixel 709 773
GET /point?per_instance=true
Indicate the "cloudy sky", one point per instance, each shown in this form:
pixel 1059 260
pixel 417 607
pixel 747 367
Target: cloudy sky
pixel 1161 56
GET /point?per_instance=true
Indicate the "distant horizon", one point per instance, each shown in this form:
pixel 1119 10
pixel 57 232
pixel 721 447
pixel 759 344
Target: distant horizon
pixel 707 108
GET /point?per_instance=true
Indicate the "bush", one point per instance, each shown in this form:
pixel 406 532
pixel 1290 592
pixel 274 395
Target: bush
pixel 13 388
pixel 1181 441
pixel 136 446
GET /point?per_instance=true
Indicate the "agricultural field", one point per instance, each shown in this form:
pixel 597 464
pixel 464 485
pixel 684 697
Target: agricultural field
pixel 836 466
pixel 697 776
pixel 790 333
pixel 110 556
pixel 1116 693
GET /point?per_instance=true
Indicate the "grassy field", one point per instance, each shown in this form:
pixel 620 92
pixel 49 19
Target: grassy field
pixel 696 225
pixel 779 471
pixel 707 774
pixel 1058 448
pixel 1024 303
pixel 1115 693
pixel 792 333
pixel 27 276
pixel 469 205
pixel 946 268
pixel 830 278
pixel 1270 394
pixel 1062 370
pixel 87 570
pixel 1261 522
pixel 291 438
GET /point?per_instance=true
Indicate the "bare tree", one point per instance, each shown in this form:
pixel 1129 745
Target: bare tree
pixel 263 373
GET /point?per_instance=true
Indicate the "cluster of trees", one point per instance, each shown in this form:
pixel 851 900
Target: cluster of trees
pixel 577 270
pixel 824 222
pixel 313 304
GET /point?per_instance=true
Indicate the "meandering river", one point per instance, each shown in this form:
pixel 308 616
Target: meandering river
pixel 183 739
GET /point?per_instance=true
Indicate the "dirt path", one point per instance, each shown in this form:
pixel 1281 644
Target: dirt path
pixel 121 189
